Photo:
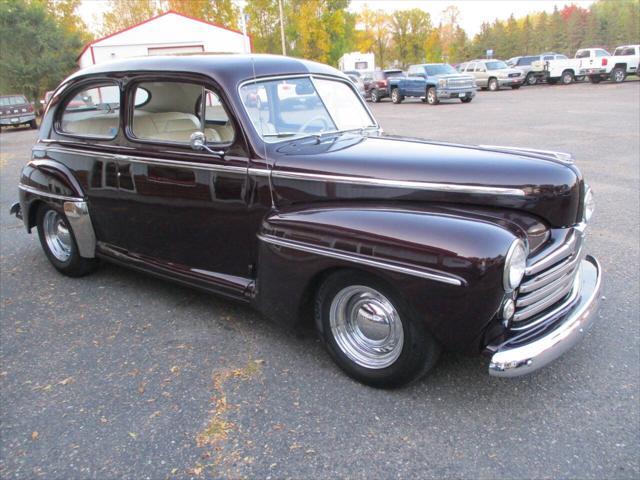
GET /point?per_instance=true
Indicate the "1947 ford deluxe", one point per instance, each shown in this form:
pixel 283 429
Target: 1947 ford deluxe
pixel 266 179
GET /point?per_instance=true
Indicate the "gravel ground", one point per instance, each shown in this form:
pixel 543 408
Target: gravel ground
pixel 122 375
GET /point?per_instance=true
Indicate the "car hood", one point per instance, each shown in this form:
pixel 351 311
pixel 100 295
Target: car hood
pixel 357 167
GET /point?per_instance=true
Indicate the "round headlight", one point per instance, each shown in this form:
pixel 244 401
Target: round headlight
pixel 515 265
pixel 589 204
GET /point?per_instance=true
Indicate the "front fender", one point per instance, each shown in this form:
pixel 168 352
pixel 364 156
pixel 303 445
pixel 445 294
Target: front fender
pixel 448 266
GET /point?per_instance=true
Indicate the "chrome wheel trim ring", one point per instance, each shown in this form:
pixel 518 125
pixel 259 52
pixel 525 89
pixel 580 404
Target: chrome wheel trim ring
pixel 366 327
pixel 57 235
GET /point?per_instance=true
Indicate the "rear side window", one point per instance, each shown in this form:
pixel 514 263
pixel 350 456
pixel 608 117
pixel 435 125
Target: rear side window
pixel 93 112
pixel 582 54
pixel 173 111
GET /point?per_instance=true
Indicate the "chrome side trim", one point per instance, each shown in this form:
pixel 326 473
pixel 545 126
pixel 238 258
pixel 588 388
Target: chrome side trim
pixel 152 161
pixel 77 214
pixel 379 182
pixel 37 191
pixel 512 359
pixel 362 260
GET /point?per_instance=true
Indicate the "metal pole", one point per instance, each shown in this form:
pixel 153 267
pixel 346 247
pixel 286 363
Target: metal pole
pixel 284 47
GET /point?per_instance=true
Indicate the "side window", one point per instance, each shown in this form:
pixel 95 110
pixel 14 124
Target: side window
pixel 582 54
pixel 480 67
pixel 548 57
pixel 172 111
pixel 92 112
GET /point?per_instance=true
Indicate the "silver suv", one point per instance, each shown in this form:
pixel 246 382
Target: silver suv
pixel 524 64
pixel 492 74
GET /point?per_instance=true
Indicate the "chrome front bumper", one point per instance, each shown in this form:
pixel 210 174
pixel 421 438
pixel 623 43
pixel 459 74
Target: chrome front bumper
pixel 517 357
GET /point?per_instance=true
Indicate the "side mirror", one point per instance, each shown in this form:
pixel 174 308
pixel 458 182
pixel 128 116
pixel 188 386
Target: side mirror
pixel 198 141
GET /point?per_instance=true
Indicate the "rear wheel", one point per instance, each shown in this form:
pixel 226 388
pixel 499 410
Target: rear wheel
pixel 370 333
pixel 567 77
pixel 466 100
pixel 531 79
pixel 33 124
pixel 395 96
pixel 59 245
pixel 432 96
pixel 618 75
pixel 493 84
pixel 375 95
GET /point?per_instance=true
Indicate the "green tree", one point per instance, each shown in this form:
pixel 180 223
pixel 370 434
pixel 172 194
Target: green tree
pixel 223 12
pixel 264 25
pixel 409 30
pixel 36 52
pixel 125 13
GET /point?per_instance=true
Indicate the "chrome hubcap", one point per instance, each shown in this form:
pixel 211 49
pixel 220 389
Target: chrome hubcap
pixel 619 76
pixel 366 327
pixel 57 235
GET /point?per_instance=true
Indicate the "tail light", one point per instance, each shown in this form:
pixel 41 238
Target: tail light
pixel 30 108
pixel 383 83
pixel 604 62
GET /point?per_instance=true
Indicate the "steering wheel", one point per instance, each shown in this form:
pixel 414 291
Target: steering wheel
pixel 306 124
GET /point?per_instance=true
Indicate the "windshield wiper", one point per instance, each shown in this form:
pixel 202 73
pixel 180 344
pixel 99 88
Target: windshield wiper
pixel 280 134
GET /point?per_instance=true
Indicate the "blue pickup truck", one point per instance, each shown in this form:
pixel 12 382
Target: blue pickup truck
pixel 432 82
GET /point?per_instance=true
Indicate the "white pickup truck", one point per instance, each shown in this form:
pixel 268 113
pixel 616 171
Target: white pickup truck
pixel 624 61
pixel 568 70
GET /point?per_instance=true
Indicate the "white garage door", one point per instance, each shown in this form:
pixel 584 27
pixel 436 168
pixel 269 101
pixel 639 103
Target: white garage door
pixel 176 50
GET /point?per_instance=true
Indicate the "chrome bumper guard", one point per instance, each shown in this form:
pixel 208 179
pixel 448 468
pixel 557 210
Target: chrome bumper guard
pixel 513 358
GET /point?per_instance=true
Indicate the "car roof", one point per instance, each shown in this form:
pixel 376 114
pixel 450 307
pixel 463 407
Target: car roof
pixel 228 69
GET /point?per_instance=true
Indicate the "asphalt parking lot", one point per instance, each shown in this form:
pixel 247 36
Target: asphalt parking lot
pixel 122 375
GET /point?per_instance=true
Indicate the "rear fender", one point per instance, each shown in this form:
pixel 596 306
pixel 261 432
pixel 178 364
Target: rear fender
pixel 447 267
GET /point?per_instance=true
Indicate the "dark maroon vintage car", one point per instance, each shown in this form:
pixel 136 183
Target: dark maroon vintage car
pixel 266 179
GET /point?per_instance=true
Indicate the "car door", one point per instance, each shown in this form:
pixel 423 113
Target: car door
pixel 186 209
pixel 480 72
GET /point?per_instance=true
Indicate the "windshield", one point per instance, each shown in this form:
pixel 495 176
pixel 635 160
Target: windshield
pixel 440 69
pixel 293 107
pixel 496 65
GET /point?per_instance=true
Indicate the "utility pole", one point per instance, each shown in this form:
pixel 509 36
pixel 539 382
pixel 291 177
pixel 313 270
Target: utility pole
pixel 284 47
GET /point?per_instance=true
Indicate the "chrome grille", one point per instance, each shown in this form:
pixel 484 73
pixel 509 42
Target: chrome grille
pixel 460 82
pixel 549 279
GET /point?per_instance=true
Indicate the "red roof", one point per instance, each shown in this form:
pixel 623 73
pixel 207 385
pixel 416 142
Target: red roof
pixel 90 44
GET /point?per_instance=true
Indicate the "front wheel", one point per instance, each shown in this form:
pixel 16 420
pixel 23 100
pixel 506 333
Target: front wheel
pixel 432 96
pixel 618 75
pixel 531 79
pixel 369 332
pixel 59 245
pixel 494 85
pixel 375 96
pixel 395 96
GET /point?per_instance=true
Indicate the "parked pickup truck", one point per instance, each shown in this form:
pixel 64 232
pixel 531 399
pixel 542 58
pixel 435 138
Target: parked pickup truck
pixel 568 70
pixel 625 61
pixel 432 82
